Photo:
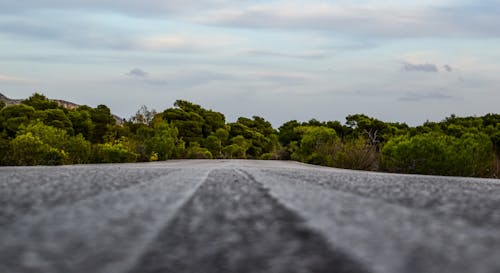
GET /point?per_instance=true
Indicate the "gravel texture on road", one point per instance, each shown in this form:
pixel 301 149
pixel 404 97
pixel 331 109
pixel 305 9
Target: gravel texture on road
pixel 205 216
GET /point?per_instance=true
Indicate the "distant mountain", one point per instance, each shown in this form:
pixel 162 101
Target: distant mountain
pixel 63 103
pixel 8 101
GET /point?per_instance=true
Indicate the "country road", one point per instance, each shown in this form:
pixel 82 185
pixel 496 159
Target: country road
pixel 216 216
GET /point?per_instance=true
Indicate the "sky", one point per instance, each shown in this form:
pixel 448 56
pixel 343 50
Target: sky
pixel 404 61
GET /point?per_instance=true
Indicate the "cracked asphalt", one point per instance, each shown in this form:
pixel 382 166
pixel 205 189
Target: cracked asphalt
pixel 205 216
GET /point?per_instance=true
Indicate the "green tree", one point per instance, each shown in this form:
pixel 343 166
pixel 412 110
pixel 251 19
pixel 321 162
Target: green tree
pixel 214 145
pixel 64 149
pixel 195 151
pixel 40 102
pixel 82 122
pixel 163 142
pixel 118 151
pixel 439 154
pixel 28 149
pixel 233 151
pixel 310 149
pixel 56 118
pixel 193 122
pixel 103 120
pixel 78 149
pixel 13 116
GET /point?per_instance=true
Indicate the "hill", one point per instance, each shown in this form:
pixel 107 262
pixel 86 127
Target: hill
pixel 62 103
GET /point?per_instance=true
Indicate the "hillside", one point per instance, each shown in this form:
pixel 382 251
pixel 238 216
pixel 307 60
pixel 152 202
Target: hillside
pixel 8 101
pixel 62 103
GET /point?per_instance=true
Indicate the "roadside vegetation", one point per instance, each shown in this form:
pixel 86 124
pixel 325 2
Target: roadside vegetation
pixel 40 132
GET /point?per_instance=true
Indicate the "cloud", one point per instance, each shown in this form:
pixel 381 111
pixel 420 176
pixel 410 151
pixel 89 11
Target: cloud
pixel 13 79
pixel 448 68
pixel 265 53
pixel 427 67
pixel 364 20
pixel 94 32
pixel 185 79
pixel 137 72
pixel 144 8
pixel 414 96
pixel 284 78
pixel 177 43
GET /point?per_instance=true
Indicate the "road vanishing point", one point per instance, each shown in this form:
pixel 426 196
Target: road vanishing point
pixel 216 216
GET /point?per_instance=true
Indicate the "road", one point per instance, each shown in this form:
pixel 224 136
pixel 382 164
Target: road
pixel 244 216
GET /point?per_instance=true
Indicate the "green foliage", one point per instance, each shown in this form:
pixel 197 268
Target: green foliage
pixel 57 146
pixel 56 118
pixel 81 120
pixel 214 145
pixel 27 149
pixel 40 102
pixel 193 122
pixel 12 117
pixel 234 151
pixel 439 154
pixel 287 132
pixel 194 151
pixel 102 121
pixel 162 142
pixel 356 154
pixel 78 149
pixel 40 132
pixel 313 140
pixel 4 148
pixel 116 152
pixel 257 134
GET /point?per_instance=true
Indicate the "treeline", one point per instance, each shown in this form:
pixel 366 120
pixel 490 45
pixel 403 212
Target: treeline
pixel 40 132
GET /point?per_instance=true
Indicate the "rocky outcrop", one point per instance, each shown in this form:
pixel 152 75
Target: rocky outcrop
pixel 8 101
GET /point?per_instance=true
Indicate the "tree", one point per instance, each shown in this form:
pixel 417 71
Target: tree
pixel 163 142
pixel 118 151
pixel 28 149
pixel 78 149
pixel 144 115
pixel 311 146
pixel 40 102
pixel 439 154
pixel 82 122
pixel 195 151
pixel 56 118
pixel 214 145
pixel 62 148
pixel 287 132
pixel 12 117
pixel 193 122
pixel 102 120
pixel 189 123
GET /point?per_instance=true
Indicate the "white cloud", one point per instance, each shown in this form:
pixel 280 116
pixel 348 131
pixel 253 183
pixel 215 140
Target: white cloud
pixel 269 53
pixel 398 21
pixel 13 79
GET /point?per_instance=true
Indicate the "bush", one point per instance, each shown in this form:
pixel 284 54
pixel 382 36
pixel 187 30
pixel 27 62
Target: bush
pixel 356 154
pixel 28 149
pixel 439 154
pixel 117 152
pixel 196 152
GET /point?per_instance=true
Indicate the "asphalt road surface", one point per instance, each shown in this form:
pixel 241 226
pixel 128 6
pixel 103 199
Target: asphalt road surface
pixel 240 216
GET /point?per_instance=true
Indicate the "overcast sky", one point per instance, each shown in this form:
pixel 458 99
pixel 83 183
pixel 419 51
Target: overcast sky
pixel 407 61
